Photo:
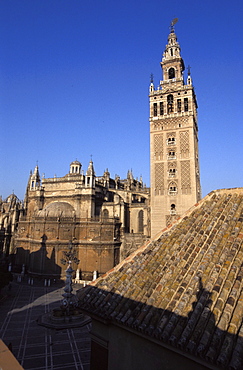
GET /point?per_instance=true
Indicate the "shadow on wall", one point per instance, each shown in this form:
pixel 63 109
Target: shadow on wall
pixel 152 337
pixel 37 262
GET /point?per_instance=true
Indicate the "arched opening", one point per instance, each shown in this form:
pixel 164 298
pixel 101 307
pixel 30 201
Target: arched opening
pixel 155 109
pixel 172 188
pixel 105 213
pixel 171 73
pixel 173 209
pixel 170 103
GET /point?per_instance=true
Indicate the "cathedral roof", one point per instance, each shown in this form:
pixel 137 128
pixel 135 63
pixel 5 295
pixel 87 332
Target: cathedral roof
pixel 185 287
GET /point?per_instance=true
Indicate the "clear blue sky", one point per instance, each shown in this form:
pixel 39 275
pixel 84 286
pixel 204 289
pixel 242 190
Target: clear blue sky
pixel 74 78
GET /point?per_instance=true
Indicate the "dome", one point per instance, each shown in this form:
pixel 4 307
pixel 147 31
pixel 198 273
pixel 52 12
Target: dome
pixel 75 167
pixel 57 209
pixel 75 163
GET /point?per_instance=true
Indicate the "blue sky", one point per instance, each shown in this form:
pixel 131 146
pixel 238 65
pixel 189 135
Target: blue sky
pixel 74 78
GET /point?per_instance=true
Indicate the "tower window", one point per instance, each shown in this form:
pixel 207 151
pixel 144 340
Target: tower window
pixel 105 213
pixel 172 189
pixel 171 141
pixel 173 209
pixel 178 105
pixel 155 109
pixel 172 172
pixel 171 73
pixel 186 104
pixel 171 155
pixel 170 103
pixel 161 108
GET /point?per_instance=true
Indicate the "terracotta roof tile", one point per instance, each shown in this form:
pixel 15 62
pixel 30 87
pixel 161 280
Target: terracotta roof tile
pixel 186 287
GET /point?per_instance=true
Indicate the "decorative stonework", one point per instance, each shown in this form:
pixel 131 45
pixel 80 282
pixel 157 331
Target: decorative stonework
pixel 171 134
pixel 159 178
pixel 185 177
pixel 184 144
pixel 172 123
pixel 170 219
pixel 158 146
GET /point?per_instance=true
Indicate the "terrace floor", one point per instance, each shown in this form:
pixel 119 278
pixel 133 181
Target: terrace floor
pixel 34 346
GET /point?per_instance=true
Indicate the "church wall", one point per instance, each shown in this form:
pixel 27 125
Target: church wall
pixel 49 237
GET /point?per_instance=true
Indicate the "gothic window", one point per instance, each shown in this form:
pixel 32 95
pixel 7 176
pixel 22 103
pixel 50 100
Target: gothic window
pixel 161 108
pixel 178 105
pixel 140 221
pixel 170 103
pixel 171 73
pixel 186 104
pixel 155 109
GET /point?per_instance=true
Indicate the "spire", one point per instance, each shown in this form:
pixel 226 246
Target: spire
pixel 90 170
pixel 151 87
pixel 90 175
pixel 35 181
pixel 172 62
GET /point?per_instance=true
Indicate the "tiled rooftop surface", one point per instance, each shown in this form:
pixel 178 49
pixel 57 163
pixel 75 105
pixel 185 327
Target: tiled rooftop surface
pixel 185 287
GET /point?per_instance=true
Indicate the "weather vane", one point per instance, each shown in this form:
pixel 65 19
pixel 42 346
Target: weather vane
pixel 173 22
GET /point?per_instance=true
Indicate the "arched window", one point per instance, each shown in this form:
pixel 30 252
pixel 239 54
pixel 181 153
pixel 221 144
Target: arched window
pixel 172 172
pixel 171 154
pixel 170 103
pixel 105 213
pixel 171 140
pixel 140 221
pixel 172 188
pixel 173 209
pixel 171 73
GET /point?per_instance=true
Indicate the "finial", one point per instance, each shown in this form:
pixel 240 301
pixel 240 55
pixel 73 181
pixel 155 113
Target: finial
pixel 151 78
pixel 91 156
pixel 189 70
pixel 173 22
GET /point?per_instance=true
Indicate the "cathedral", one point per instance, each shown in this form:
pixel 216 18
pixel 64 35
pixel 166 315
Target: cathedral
pixel 99 220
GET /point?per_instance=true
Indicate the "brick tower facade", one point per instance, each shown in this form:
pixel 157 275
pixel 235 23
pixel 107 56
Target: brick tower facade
pixel 174 164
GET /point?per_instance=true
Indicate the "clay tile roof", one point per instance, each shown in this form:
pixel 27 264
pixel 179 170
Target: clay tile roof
pixel 184 288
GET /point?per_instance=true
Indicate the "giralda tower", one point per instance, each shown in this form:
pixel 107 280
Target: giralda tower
pixel 174 164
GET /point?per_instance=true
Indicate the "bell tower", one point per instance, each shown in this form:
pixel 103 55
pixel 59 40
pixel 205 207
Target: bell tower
pixel 174 164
